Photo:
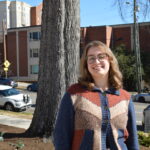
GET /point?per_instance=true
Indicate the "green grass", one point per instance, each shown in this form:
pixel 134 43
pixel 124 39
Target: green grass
pixel 24 115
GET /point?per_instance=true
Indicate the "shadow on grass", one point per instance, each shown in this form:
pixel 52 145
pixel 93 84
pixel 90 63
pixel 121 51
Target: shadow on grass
pixel 18 135
pixel 22 133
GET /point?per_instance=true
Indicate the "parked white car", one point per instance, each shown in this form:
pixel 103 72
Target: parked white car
pixel 142 97
pixel 11 99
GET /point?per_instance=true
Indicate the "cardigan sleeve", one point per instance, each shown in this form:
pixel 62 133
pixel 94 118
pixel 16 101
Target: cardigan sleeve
pixel 132 140
pixel 64 127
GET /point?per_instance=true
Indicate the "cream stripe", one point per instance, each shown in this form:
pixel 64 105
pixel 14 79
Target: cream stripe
pixel 119 108
pixel 115 134
pixel 86 105
pixel 97 140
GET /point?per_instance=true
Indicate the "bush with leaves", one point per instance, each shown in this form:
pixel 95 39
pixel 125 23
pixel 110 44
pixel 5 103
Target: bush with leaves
pixel 145 58
pixel 127 64
pixel 144 138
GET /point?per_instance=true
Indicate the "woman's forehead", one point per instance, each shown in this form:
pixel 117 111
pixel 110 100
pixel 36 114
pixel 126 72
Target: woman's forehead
pixel 95 50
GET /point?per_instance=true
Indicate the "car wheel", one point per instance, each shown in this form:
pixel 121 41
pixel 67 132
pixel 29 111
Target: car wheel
pixel 141 99
pixel 9 107
pixel 29 89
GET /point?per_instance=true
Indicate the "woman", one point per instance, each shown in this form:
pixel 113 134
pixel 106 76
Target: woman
pixel 96 113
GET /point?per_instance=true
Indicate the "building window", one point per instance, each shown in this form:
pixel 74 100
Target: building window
pixel 34 52
pixel 34 69
pixel 34 36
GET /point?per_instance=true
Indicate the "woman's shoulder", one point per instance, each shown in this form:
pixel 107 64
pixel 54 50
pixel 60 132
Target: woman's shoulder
pixel 76 88
pixel 125 93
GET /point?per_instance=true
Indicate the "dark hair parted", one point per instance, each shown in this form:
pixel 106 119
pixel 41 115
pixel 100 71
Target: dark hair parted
pixel 115 76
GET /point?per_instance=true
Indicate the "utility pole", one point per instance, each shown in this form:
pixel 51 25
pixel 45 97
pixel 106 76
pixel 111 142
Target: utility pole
pixel 136 48
pixel 6 62
pixel 4 40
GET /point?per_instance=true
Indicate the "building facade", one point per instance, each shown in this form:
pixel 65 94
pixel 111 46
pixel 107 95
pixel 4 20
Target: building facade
pixel 18 14
pixel 23 45
pixel 115 35
pixel 15 14
pixel 36 13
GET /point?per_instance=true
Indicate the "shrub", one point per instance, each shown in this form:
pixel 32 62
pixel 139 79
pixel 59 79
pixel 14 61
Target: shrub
pixel 144 138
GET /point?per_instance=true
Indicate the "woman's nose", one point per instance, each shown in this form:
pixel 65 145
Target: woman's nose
pixel 97 61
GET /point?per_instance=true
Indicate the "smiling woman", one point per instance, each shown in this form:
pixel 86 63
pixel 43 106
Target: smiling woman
pixel 96 113
pixel 110 62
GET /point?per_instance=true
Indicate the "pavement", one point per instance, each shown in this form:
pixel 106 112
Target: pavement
pixel 15 122
pixel 22 85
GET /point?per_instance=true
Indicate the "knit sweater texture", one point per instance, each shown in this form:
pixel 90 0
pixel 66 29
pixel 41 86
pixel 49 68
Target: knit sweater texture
pixel 95 120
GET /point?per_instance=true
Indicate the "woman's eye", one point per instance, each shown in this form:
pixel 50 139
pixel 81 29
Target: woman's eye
pixel 92 59
pixel 101 57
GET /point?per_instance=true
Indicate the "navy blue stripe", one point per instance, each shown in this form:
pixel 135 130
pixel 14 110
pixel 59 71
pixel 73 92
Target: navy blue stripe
pixel 105 119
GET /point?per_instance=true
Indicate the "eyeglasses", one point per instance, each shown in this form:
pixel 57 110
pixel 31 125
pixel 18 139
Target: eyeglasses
pixel 100 57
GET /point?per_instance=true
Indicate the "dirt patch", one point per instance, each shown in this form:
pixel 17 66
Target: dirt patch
pixel 13 136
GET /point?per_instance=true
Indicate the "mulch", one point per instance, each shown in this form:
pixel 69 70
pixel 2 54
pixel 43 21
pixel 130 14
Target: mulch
pixel 13 136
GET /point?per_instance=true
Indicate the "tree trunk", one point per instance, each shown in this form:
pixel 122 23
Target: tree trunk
pixel 71 40
pixel 59 57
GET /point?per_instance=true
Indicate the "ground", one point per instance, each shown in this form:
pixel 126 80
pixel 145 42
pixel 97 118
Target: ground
pixel 13 135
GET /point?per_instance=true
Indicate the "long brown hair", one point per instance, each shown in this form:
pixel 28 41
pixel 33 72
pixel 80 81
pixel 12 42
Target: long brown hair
pixel 115 76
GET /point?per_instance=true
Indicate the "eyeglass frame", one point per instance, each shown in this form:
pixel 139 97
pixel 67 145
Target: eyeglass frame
pixel 97 58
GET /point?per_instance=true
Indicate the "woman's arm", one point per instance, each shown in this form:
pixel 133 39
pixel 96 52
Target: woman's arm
pixel 64 126
pixel 132 140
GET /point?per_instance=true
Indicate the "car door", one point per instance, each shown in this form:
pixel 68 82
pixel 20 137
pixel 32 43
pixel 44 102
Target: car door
pixel 147 97
pixel 2 99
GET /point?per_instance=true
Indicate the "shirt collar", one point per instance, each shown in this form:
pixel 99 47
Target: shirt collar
pixel 109 91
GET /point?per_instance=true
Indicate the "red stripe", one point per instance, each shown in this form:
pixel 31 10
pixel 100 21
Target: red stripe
pixel 77 139
pixel 79 90
pixel 114 99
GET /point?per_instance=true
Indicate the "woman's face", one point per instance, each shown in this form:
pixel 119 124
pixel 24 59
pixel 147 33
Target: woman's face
pixel 97 62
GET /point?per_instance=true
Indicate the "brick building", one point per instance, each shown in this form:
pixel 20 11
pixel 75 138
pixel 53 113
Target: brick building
pixel 36 13
pixel 115 35
pixel 23 52
pixel 23 45
pixel 19 14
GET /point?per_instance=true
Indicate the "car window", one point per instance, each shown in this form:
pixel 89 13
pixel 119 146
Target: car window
pixel 9 92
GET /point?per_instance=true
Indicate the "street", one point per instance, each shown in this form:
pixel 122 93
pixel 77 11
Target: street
pixel 139 107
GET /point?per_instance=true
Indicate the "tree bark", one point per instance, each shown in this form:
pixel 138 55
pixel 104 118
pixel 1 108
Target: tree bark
pixel 71 40
pixel 58 65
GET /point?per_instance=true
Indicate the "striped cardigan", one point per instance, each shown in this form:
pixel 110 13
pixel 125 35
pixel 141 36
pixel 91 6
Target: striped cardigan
pixel 95 120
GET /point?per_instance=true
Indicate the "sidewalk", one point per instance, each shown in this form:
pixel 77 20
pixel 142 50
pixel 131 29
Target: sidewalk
pixel 15 122
pixel 22 85
pixel 23 123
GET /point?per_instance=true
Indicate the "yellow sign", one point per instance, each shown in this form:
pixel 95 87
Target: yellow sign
pixel 6 63
pixel 5 69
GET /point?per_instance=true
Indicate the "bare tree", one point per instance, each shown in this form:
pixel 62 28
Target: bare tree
pixel 126 8
pixel 59 57
pixel 137 9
